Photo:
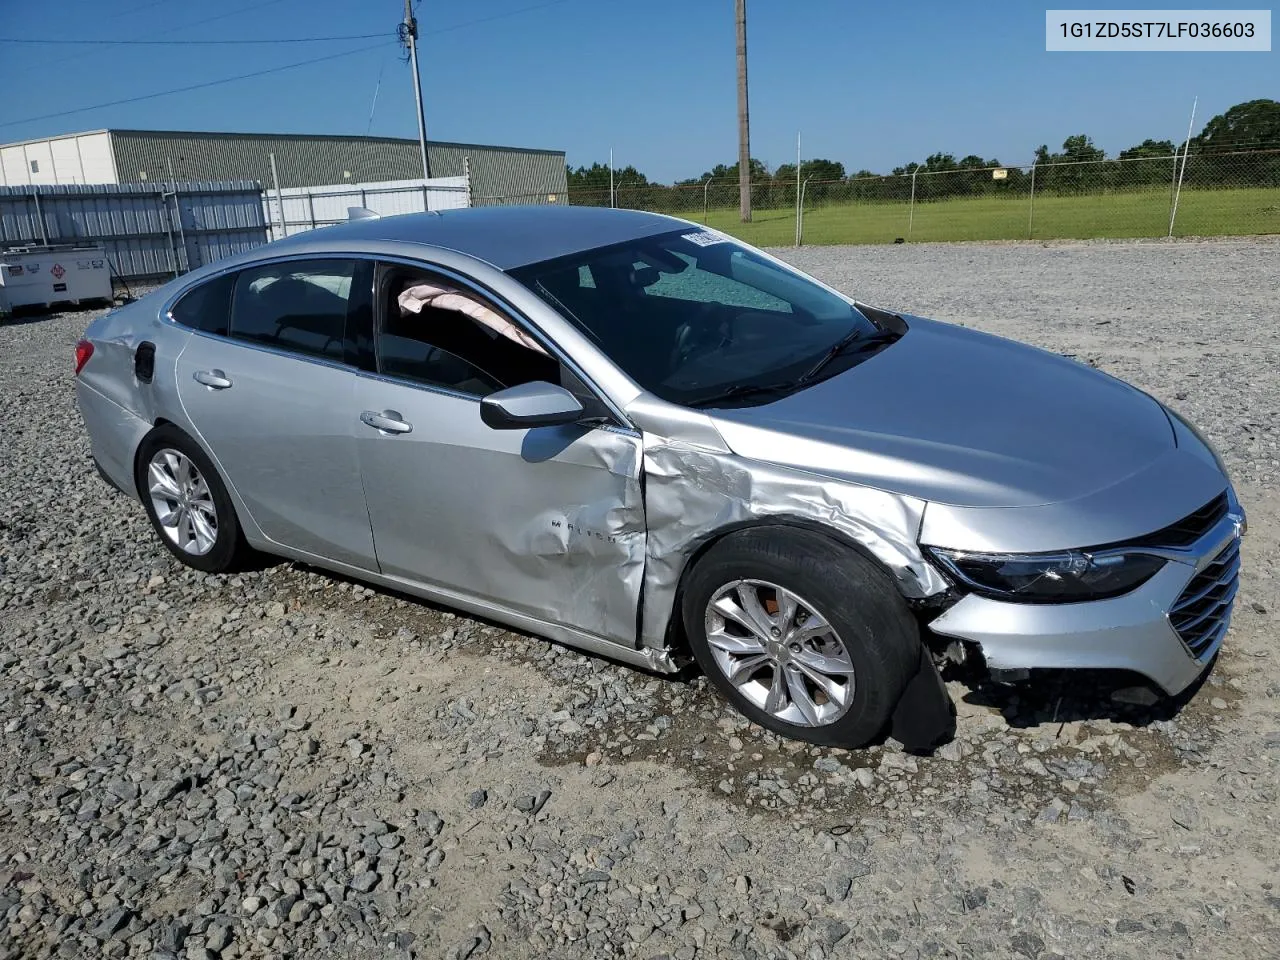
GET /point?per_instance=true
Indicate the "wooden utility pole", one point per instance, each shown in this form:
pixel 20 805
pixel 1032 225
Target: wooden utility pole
pixel 744 119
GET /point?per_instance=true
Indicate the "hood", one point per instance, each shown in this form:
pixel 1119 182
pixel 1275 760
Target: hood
pixel 959 417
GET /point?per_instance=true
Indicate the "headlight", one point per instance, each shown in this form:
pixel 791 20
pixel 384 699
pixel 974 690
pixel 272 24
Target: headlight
pixel 1066 577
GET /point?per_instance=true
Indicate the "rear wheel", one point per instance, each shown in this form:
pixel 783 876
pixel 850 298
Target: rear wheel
pixel 187 503
pixel 803 635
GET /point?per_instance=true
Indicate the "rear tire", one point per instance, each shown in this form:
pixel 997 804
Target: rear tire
pixel 187 502
pixel 834 650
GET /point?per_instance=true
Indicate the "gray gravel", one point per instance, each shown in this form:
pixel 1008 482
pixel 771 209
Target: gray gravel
pixel 283 763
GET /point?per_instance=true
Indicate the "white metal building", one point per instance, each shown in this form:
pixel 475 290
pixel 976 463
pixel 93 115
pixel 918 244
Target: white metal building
pixel 496 174
pixel 73 158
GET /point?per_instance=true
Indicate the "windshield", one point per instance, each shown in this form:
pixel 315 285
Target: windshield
pixel 695 317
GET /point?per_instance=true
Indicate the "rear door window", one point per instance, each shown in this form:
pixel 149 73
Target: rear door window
pixel 299 306
pixel 207 307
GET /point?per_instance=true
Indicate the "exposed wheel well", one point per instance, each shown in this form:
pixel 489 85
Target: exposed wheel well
pixel 677 641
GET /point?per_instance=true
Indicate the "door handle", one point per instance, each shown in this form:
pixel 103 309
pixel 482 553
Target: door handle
pixel 388 421
pixel 213 379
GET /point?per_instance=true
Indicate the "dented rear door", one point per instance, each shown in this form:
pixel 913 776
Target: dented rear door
pixel 548 522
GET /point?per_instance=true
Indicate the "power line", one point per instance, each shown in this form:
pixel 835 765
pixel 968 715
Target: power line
pixel 93 41
pixel 179 43
pixel 141 6
pixel 64 41
pixel 193 86
pixel 82 59
pixel 261 73
pixel 250 8
pixel 496 16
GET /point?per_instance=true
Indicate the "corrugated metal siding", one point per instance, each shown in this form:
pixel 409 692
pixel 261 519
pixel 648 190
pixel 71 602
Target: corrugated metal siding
pixel 146 232
pixel 307 160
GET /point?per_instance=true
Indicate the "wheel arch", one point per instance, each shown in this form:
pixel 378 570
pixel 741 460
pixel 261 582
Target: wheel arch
pixel 677 641
pixel 252 533
pixel 142 442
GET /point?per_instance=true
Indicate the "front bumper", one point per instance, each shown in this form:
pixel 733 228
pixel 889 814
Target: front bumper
pixel 1132 632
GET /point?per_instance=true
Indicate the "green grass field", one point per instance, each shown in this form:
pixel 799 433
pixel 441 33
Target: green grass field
pixel 1203 213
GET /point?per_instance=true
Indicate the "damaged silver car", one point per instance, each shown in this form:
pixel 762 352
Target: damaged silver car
pixel 640 437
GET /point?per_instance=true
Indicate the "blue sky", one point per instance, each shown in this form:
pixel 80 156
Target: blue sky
pixel 872 85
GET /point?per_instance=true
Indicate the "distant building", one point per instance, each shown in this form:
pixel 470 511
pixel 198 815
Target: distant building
pixel 302 160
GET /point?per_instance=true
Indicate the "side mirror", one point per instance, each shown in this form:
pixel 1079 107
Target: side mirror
pixel 537 404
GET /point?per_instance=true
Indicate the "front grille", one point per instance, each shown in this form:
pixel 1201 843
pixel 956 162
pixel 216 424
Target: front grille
pixel 1201 613
pixel 1191 527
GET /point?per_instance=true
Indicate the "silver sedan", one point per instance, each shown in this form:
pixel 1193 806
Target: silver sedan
pixel 640 437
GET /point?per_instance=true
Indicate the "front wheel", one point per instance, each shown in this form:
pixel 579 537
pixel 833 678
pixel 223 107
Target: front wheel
pixel 803 635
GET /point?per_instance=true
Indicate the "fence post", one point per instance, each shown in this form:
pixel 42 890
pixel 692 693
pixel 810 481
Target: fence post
pixel 800 212
pixel 1031 211
pixel 177 212
pixel 800 221
pixel 705 184
pixel 799 166
pixel 44 234
pixel 311 208
pixel 911 206
pixel 168 229
pixel 1186 148
pixel 284 226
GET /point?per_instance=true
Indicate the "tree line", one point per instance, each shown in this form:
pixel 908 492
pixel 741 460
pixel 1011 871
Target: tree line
pixel 1231 150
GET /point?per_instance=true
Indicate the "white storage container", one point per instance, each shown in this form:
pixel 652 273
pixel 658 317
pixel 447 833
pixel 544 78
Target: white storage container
pixel 58 273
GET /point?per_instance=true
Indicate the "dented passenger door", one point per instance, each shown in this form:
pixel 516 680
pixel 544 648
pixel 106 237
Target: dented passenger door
pixel 547 521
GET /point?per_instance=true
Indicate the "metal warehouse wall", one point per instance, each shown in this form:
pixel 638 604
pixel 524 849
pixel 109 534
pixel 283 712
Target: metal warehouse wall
pixel 147 232
pixel 304 161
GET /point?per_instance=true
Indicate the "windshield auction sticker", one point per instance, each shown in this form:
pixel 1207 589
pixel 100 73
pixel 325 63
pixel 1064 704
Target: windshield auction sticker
pixel 1158 30
pixel 704 238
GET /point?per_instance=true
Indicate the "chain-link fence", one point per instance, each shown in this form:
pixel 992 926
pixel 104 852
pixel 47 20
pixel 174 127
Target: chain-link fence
pixel 1203 194
pixel 560 198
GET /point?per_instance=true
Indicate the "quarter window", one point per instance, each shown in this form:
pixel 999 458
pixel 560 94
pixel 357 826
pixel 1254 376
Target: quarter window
pixel 206 307
pixel 299 306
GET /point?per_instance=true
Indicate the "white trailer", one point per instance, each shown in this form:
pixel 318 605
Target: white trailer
pixel 43 275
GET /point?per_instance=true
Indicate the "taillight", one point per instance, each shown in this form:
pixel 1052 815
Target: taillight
pixel 84 350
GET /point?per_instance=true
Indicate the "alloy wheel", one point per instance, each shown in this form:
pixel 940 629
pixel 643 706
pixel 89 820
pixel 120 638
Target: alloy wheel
pixel 780 652
pixel 182 502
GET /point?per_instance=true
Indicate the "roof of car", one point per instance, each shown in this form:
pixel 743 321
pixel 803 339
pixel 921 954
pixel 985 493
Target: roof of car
pixel 507 237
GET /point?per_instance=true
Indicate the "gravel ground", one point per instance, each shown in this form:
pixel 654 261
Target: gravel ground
pixel 283 763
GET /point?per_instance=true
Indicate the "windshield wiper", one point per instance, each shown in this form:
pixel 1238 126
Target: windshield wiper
pixel 854 338
pixel 739 390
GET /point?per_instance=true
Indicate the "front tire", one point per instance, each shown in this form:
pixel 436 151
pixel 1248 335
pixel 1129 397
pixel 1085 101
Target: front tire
pixel 805 636
pixel 187 503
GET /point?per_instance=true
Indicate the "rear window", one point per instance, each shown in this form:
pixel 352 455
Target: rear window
pixel 299 306
pixel 207 307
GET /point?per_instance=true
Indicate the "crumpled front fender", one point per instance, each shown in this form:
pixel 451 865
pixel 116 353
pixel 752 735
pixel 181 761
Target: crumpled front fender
pixel 693 494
